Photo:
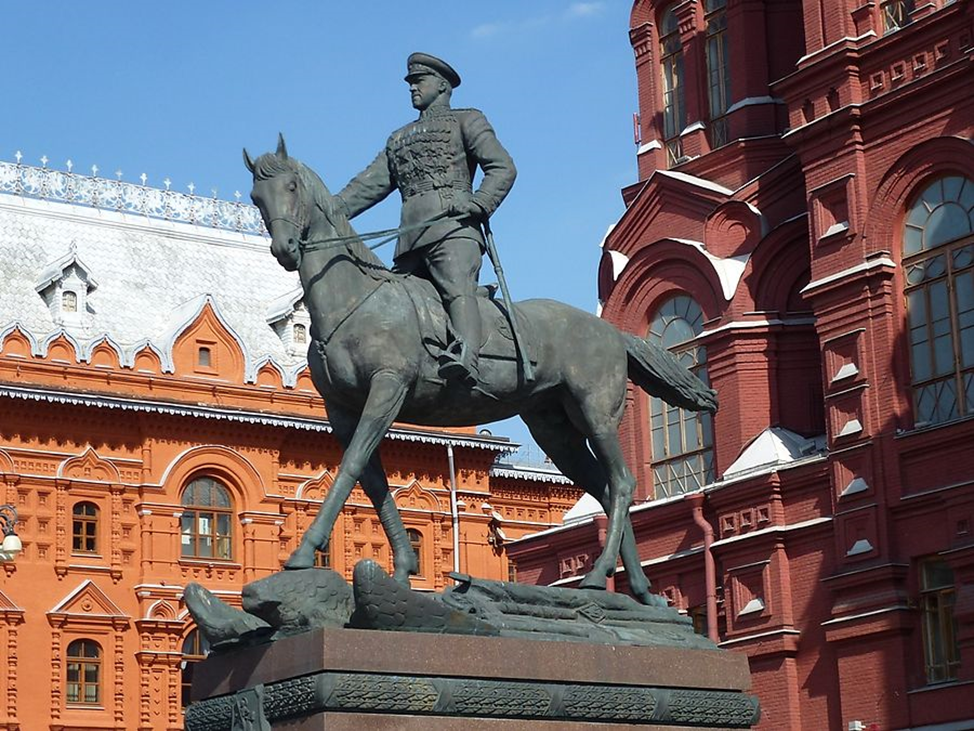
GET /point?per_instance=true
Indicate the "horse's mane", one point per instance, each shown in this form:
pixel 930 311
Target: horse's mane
pixel 271 165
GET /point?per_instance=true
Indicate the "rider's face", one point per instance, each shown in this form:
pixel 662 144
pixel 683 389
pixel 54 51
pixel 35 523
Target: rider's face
pixel 425 89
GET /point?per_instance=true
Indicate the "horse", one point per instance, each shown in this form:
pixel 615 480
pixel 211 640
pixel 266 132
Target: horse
pixel 373 359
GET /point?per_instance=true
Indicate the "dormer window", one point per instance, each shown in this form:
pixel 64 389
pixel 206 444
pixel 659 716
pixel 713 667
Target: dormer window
pixel 204 358
pixel 65 286
pixel 290 319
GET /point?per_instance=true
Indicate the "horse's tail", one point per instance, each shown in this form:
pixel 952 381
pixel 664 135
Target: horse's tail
pixel 659 373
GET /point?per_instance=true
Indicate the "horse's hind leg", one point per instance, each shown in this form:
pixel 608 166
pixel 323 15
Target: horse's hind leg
pixel 567 448
pixel 376 486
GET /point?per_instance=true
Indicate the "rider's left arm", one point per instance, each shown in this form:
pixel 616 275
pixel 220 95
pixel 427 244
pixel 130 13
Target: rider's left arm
pixel 498 166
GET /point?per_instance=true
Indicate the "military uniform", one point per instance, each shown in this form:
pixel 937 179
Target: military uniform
pixel 431 162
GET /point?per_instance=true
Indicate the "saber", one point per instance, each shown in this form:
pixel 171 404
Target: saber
pixel 505 293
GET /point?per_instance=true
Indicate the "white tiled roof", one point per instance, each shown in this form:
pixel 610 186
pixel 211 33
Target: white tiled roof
pixel 153 276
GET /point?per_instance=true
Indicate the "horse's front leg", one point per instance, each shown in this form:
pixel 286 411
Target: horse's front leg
pixel 386 395
pixel 376 486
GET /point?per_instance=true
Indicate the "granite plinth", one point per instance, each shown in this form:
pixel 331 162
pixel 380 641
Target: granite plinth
pixel 368 679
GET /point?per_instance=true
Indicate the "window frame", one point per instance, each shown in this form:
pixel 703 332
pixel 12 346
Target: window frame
pixel 417 542
pixel 672 86
pixel 716 38
pixel 89 524
pixel 693 355
pixel 936 605
pixel 202 649
pixel 197 511
pixel 922 281
pixel 84 663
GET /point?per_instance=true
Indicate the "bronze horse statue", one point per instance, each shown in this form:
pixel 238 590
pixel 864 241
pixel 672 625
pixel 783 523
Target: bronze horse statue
pixel 373 358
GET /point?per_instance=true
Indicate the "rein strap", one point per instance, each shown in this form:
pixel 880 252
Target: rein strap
pixel 387 235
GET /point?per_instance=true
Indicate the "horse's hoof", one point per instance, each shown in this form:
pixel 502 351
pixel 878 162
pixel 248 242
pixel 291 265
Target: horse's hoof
pixel 300 560
pixel 649 599
pixel 402 578
pixel 593 580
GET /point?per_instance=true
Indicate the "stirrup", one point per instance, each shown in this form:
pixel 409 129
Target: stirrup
pixel 452 367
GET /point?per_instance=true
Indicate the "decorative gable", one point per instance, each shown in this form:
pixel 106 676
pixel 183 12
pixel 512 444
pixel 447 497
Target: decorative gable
pixel 289 318
pixel 89 466
pixel 416 497
pixel 65 285
pixel 316 488
pixel 200 342
pixel 89 605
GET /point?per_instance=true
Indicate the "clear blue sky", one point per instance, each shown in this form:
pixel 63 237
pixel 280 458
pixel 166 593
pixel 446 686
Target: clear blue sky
pixel 176 89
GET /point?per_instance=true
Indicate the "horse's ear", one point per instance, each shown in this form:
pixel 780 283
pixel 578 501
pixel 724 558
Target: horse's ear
pixel 247 161
pixel 281 147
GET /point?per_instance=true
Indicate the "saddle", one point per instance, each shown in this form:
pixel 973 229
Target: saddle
pixel 434 323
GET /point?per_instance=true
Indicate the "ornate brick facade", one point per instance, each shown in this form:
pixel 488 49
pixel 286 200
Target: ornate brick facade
pixel 810 242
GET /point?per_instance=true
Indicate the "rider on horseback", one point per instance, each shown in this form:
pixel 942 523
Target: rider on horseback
pixel 432 162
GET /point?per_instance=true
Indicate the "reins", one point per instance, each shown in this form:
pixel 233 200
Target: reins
pixel 387 235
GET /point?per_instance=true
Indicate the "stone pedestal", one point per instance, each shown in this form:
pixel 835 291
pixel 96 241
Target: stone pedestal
pixel 369 679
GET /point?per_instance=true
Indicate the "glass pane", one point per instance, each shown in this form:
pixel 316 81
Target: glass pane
pixel 912 238
pixel 74 672
pixel 205 523
pixel 952 188
pixel 74 693
pixel 90 649
pixel 964 297
pixel 691 438
pixel 91 673
pixel 937 575
pixel 223 524
pixel 947 223
pixel 205 547
pixel 187 528
pixel 91 694
pixel 221 497
pixel 943 345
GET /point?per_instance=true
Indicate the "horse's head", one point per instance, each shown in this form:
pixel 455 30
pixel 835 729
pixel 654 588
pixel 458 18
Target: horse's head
pixel 281 194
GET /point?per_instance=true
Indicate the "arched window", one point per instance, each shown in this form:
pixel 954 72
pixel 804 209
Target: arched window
pixel 674 106
pixel 718 70
pixel 195 648
pixel 416 542
pixel 300 334
pixel 207 511
pixel 84 528
pixel 682 441
pixel 938 260
pixel 84 672
pixel 323 558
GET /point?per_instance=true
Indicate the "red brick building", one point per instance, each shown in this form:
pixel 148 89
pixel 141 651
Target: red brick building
pixel 802 234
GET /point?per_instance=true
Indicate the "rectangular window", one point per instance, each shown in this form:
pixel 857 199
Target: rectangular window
pixel 896 14
pixel 718 71
pixel 941 654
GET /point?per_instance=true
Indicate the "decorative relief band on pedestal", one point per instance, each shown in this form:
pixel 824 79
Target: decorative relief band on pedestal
pixel 482 698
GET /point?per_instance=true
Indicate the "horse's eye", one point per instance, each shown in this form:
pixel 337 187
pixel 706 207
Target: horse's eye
pixel 292 186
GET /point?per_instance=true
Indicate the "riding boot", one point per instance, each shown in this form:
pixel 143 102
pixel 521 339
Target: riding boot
pixel 465 320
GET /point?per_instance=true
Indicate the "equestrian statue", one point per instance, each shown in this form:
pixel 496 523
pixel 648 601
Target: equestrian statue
pixel 423 344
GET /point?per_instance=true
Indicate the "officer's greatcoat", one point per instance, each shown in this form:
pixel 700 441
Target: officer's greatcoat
pixel 432 162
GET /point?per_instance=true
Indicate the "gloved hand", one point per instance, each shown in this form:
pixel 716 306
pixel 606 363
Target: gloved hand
pixel 465 207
